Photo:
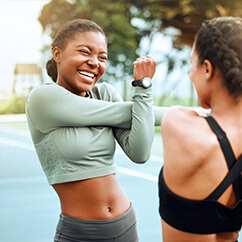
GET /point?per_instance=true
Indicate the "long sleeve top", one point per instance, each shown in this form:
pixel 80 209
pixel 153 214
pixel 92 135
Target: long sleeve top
pixel 74 136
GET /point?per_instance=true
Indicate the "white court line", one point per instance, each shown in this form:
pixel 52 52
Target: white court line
pixel 16 143
pixel 156 158
pixel 13 118
pixel 15 131
pixel 138 174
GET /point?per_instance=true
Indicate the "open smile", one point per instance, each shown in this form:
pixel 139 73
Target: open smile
pixel 87 74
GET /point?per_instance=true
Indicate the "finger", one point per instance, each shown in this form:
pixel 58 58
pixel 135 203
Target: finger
pixel 151 57
pixel 137 60
pixel 142 60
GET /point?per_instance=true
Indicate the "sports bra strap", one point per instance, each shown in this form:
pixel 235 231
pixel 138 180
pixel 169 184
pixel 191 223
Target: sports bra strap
pixel 233 175
pixel 223 141
pixel 231 162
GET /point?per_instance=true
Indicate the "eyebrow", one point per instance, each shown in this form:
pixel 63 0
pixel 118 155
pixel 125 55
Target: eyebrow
pixel 102 52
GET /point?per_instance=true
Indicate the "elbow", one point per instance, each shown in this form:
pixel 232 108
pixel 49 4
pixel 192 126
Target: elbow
pixel 141 161
pixel 141 158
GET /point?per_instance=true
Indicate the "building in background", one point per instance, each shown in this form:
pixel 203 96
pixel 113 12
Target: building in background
pixel 26 77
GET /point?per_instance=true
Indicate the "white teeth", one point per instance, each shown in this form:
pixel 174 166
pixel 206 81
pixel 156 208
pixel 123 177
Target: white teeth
pixel 87 74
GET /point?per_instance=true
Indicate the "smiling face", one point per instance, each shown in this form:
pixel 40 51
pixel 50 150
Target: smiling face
pixel 82 62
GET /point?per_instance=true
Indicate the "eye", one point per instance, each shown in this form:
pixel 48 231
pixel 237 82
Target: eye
pixel 84 52
pixel 103 58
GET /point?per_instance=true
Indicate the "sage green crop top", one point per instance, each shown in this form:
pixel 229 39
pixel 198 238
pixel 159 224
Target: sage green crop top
pixel 74 136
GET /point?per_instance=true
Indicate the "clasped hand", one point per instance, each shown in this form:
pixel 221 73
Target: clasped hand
pixel 144 67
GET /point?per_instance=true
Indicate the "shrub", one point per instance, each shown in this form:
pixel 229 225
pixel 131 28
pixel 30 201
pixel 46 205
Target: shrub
pixel 13 105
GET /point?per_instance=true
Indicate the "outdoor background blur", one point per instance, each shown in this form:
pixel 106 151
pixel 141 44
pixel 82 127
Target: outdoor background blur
pixel 163 28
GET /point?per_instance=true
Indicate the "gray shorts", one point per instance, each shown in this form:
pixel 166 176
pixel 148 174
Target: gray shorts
pixel 119 229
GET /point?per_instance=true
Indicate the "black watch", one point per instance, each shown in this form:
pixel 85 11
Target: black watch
pixel 145 82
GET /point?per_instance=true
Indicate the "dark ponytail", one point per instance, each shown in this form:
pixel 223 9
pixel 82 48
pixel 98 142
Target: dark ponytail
pixel 52 69
pixel 219 41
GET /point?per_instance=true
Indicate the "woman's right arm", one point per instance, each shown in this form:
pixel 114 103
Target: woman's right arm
pixel 51 106
pixel 159 112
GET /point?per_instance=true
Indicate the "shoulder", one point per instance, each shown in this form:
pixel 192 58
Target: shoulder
pixel 177 123
pixel 184 123
pixel 186 138
pixel 107 92
pixel 45 95
pixel 178 117
pixel 45 90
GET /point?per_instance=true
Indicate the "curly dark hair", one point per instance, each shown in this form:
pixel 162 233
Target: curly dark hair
pixel 220 41
pixel 66 32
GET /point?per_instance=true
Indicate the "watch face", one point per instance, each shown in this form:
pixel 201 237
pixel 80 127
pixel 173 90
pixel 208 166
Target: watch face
pixel 146 82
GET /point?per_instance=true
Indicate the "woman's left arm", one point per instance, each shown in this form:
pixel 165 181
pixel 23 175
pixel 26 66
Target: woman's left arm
pixel 137 141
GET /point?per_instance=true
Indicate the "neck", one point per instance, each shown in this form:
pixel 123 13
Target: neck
pixel 226 106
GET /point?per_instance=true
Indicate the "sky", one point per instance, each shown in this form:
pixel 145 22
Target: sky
pixel 20 36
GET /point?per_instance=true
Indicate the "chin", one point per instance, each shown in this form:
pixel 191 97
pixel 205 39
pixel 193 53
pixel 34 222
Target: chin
pixel 204 103
pixel 205 106
pixel 86 88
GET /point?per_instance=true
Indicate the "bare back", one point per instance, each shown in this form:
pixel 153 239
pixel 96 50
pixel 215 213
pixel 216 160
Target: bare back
pixel 194 164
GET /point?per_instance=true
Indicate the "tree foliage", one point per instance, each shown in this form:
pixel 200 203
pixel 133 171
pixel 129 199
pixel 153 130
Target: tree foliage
pixel 184 15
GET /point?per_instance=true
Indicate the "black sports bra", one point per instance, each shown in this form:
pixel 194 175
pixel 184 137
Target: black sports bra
pixel 206 216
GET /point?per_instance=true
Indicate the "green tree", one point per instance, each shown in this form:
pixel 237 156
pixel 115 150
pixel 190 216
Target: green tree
pixel 184 15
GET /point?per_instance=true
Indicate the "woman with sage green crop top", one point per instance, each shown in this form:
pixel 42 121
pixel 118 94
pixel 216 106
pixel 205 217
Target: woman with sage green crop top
pixel 74 124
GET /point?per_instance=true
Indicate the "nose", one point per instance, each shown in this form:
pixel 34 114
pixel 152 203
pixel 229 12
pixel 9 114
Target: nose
pixel 93 61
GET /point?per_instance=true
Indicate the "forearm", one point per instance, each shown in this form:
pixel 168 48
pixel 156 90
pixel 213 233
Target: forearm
pixel 137 141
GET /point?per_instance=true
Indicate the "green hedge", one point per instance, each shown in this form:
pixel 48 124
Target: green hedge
pixel 14 105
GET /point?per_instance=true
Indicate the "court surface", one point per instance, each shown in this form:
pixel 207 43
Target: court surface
pixel 29 207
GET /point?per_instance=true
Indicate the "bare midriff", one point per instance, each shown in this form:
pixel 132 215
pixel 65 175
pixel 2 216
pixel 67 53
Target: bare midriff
pixel 95 199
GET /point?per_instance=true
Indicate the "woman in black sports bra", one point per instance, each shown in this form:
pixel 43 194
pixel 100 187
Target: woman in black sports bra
pixel 200 184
